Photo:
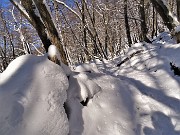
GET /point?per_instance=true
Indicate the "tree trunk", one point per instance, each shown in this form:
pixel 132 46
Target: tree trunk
pixel 169 21
pixel 127 24
pixel 153 25
pixel 164 12
pixel 144 29
pixel 43 24
pixel 51 29
pixel 178 9
pixel 84 31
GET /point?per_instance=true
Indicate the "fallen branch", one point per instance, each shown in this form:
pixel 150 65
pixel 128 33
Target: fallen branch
pixel 128 58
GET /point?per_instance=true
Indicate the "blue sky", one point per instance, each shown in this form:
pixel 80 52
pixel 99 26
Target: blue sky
pixel 4 2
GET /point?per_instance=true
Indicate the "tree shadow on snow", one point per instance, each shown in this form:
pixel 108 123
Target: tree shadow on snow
pixel 156 94
pixel 126 101
pixel 13 89
pixel 162 125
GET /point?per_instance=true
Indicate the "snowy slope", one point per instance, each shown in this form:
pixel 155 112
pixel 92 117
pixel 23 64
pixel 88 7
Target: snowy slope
pixel 156 93
pixel 32 94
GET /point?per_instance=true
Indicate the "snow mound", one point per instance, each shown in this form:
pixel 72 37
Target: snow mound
pixel 109 108
pixel 54 55
pixel 53 51
pixel 32 94
pixel 87 68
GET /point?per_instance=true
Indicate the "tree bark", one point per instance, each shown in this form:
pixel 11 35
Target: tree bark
pixel 178 9
pixel 51 28
pixel 153 25
pixel 165 14
pixel 84 31
pixel 127 24
pixel 43 24
pixel 144 29
pixel 163 11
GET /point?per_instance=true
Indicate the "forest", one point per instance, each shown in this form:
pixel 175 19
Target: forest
pixel 90 67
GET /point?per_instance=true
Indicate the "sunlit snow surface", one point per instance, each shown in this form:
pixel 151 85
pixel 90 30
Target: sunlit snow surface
pixel 141 97
pixel 32 94
pixel 155 88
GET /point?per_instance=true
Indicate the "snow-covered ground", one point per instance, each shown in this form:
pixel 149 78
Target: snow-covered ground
pixel 32 94
pixel 141 97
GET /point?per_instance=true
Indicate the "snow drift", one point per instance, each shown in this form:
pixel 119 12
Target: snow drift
pixel 32 94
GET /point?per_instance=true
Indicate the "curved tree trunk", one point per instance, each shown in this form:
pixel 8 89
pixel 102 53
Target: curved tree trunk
pixel 164 12
pixel 168 19
pixel 43 23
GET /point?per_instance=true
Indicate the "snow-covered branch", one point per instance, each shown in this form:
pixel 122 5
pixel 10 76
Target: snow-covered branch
pixel 22 38
pixel 70 9
pixel 21 9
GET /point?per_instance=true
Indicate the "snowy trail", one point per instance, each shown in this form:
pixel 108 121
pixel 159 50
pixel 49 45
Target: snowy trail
pixel 155 88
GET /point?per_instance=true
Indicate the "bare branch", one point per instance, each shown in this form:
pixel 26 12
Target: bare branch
pixel 21 9
pixel 70 9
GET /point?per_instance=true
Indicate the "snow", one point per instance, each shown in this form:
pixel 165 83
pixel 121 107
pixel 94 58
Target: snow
pixel 177 29
pixel 86 68
pixel 107 102
pixel 18 4
pixel 53 52
pixel 141 97
pixel 32 94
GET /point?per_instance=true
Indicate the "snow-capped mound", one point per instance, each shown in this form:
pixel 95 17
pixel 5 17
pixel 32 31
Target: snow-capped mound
pixel 53 52
pixel 54 55
pixel 87 68
pixel 109 108
pixel 32 94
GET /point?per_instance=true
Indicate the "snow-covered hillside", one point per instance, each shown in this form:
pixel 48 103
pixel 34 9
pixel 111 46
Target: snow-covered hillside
pixel 139 97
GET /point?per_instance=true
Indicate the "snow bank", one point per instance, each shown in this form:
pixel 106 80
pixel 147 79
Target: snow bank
pixel 155 88
pixel 32 94
pixel 141 97
pixel 109 108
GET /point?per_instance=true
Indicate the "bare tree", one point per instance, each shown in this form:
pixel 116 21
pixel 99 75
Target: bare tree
pixel 168 18
pixel 178 9
pixel 144 29
pixel 42 22
pixel 127 23
pixel 164 12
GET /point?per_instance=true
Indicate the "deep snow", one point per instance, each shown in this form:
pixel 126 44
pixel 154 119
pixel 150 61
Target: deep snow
pixel 32 94
pixel 141 97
